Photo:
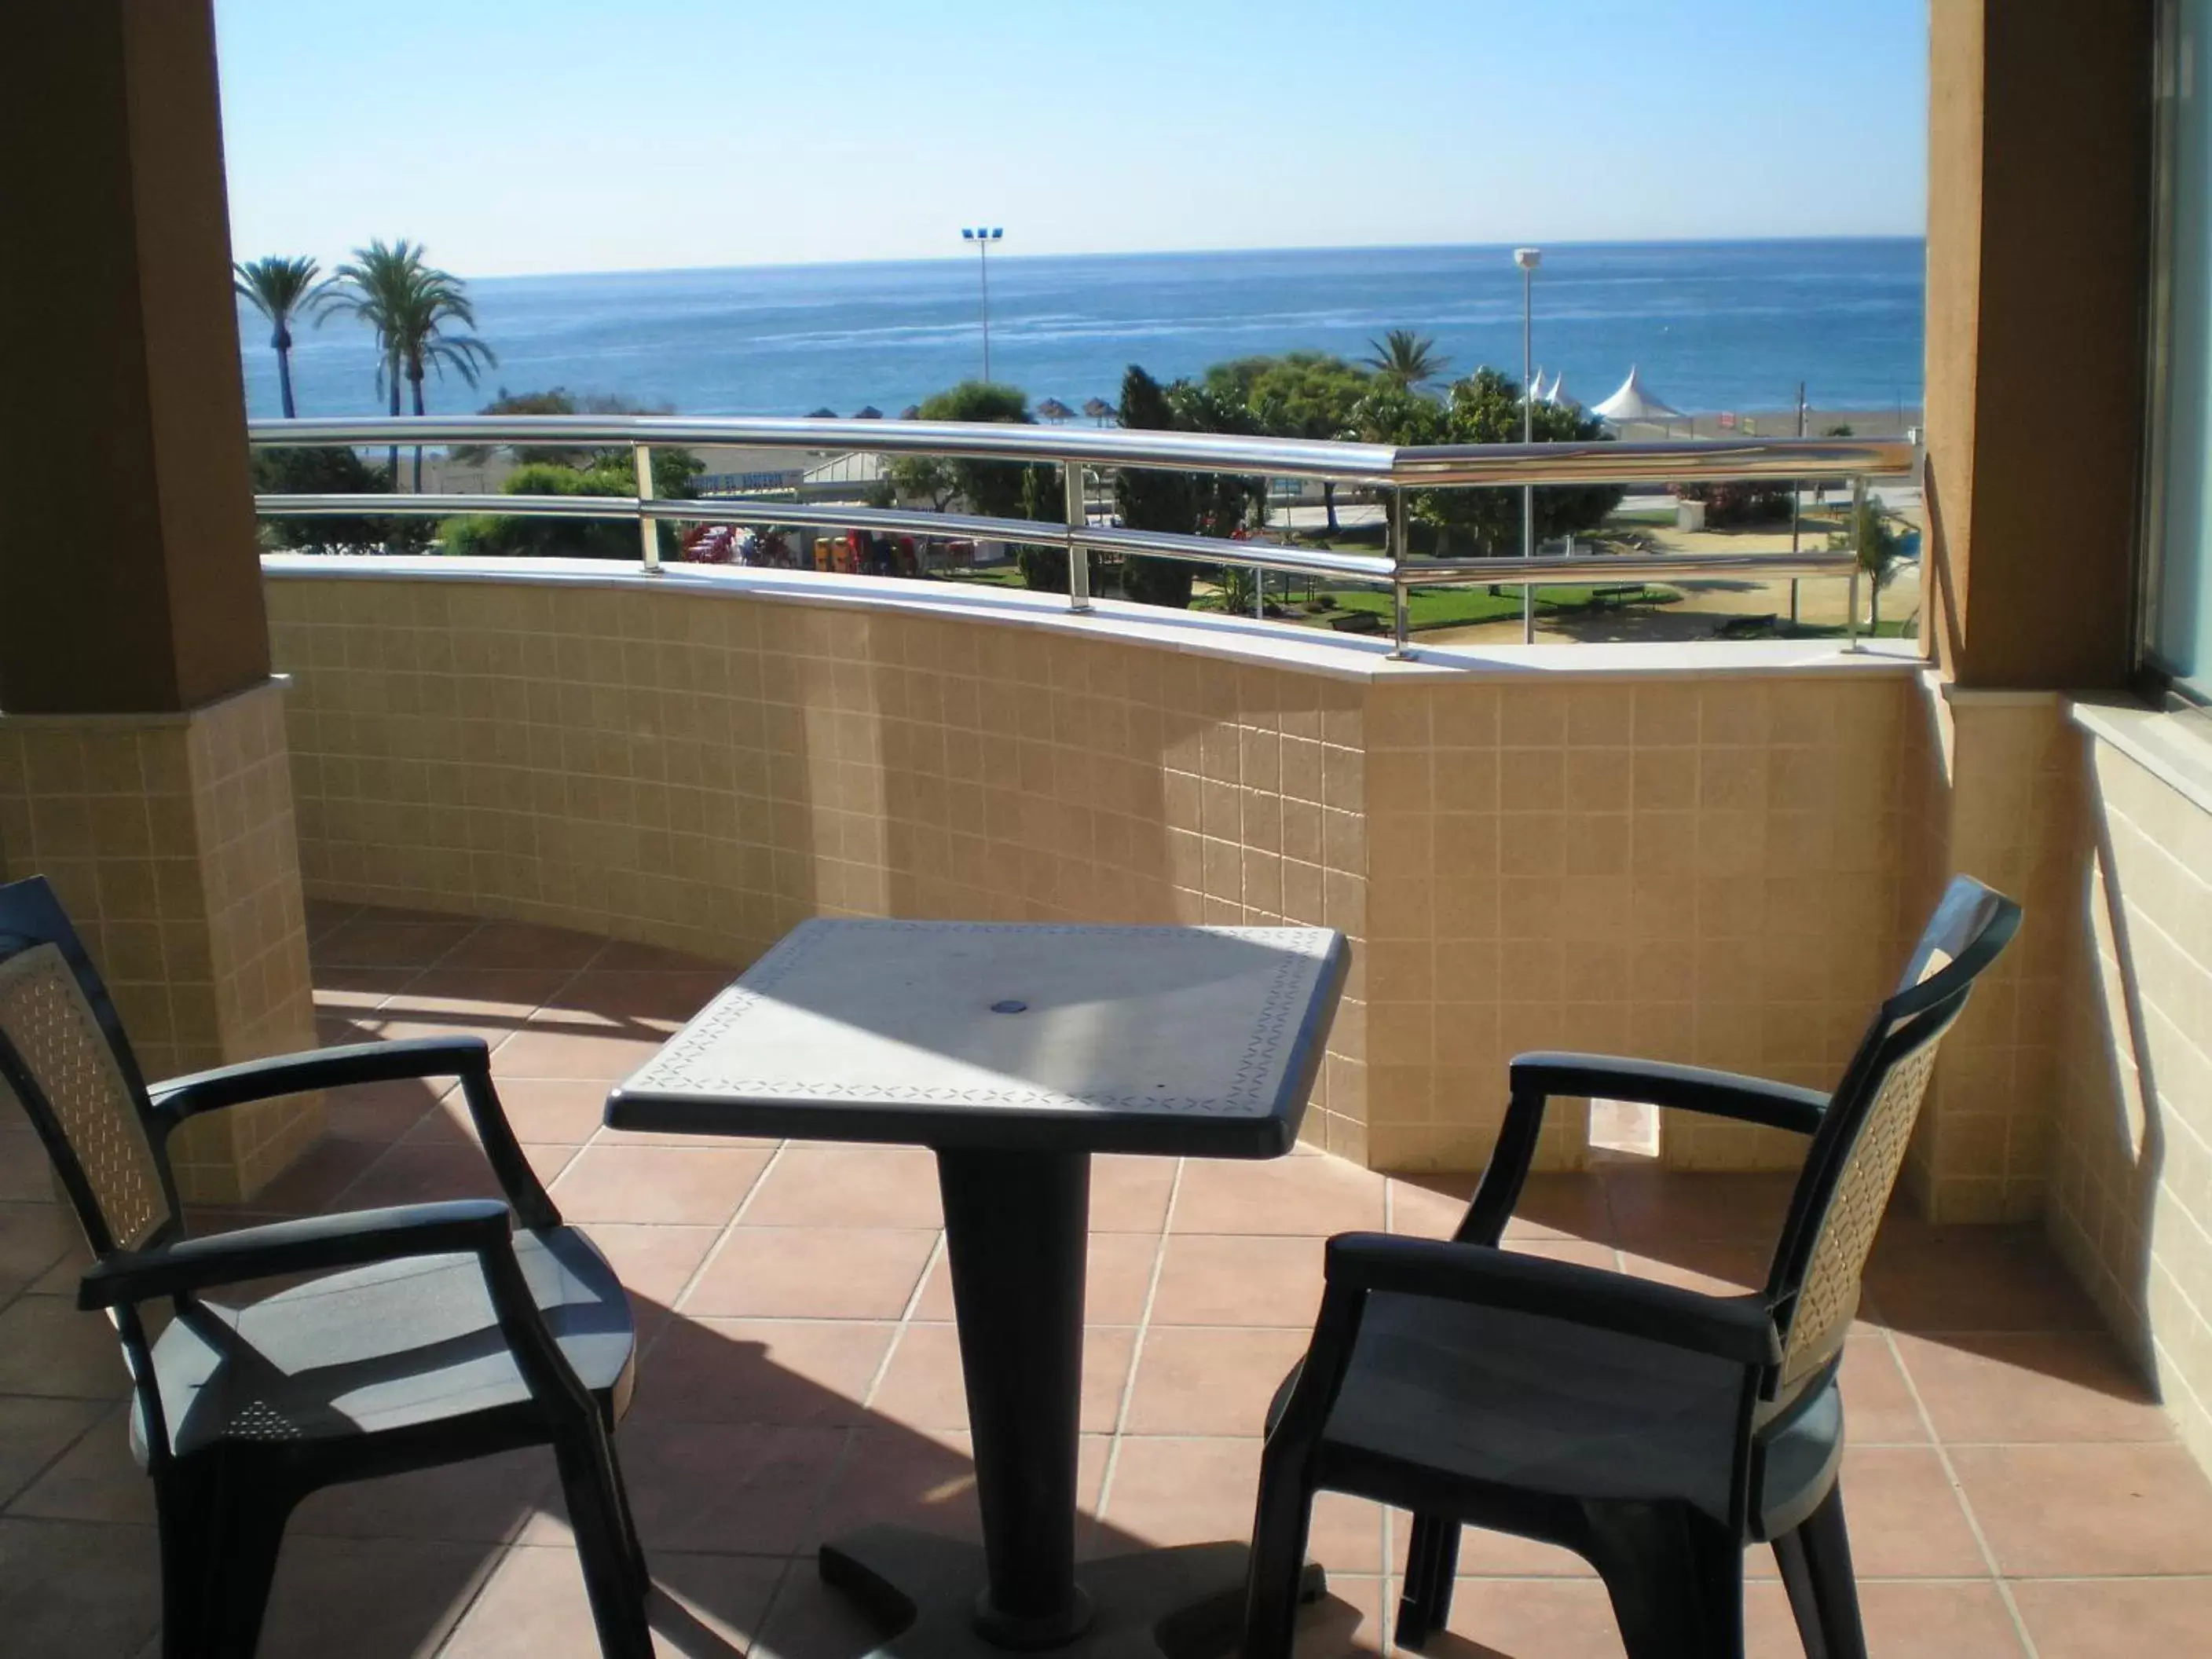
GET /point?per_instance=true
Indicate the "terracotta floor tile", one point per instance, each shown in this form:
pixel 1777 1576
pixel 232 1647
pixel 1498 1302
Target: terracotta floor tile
pixel 2089 1511
pixel 370 940
pixel 378 1114
pixel 603 1057
pixel 525 944
pixel 848 1186
pixel 353 991
pixel 327 1168
pixel 1975 1278
pixel 2089 1618
pixel 1117 1277
pixel 1345 1624
pixel 1905 1517
pixel 535 1607
pixel 47 1347
pixel 500 998
pixel 685 1185
pixel 26 1173
pixel 900 1476
pixel 421 1173
pixel 749 1489
pixel 1560 1206
pixel 1312 1195
pixel 1713 1266
pixel 97 1479
pixel 762 1371
pixel 35 1432
pixel 1217 1278
pixel 75 1588
pixel 1675 1206
pixel 813 1273
pixel 566 1112
pixel 2008 1386
pixel 34 1234
pixel 486 1500
pixel 322 915
pixel 1429 1206
pixel 1195 1380
pixel 923 1386
pixel 1129 1195
pixel 337 1598
pixel 810 1620
pixel 654 1262
pixel 1879 1408
pixel 1171 1491
pixel 1938 1619
pixel 1530 1619
pixel 618 956
pixel 1484 1555
pixel 632 1004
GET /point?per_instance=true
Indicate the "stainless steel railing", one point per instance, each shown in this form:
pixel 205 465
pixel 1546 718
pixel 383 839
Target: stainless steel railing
pixel 1389 471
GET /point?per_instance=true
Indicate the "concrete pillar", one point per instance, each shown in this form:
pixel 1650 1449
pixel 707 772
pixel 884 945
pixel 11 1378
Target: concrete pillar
pixel 143 763
pixel 2038 232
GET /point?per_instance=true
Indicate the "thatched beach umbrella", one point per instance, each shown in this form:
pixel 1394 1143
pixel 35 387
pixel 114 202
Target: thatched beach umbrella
pixel 1099 409
pixel 1054 411
pixel 911 412
pixel 824 413
pixel 867 412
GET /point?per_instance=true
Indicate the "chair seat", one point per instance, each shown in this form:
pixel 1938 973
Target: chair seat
pixel 1443 1397
pixel 400 1344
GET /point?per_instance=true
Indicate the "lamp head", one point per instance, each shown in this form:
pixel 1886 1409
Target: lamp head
pixel 966 235
pixel 1528 257
pixel 997 231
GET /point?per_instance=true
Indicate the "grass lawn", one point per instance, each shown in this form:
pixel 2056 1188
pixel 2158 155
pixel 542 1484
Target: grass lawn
pixel 1458 607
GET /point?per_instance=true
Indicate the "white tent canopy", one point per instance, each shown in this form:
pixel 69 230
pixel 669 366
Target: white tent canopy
pixel 1633 402
pixel 1557 394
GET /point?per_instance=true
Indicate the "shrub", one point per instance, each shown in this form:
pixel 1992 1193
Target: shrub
pixel 1728 504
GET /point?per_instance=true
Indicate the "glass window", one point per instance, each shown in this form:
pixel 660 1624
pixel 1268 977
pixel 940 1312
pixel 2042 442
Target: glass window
pixel 2180 633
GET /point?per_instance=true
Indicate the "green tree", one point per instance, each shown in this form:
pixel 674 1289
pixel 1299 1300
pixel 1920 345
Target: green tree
pixel 995 489
pixel 1148 499
pixel 558 401
pixel 1308 394
pixel 1485 408
pixel 282 289
pixel 1876 544
pixel 608 473
pixel 410 305
pixel 1217 404
pixel 1412 360
pixel 320 471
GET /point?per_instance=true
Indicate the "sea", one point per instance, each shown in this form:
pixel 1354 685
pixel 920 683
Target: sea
pixel 1712 326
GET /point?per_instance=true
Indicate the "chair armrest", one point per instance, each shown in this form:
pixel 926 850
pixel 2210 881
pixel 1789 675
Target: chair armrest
pixel 1684 1087
pixel 317 1244
pixel 1739 1328
pixel 181 1097
pixel 465 1057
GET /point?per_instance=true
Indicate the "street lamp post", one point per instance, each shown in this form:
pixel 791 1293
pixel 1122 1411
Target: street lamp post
pixel 1528 258
pixel 983 236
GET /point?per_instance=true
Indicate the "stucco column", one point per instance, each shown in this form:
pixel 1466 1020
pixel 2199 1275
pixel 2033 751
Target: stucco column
pixel 143 763
pixel 2038 216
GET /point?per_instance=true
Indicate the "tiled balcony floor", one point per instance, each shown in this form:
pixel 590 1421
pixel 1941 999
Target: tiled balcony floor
pixel 2009 1483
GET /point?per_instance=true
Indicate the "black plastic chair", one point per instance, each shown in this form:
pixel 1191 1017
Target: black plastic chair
pixel 432 1332
pixel 1657 1432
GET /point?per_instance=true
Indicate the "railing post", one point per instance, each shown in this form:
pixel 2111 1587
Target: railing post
pixel 1858 552
pixel 1401 621
pixel 1079 557
pixel 649 529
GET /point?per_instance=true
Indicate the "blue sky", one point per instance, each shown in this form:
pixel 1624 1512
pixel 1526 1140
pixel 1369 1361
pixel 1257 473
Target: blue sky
pixel 516 135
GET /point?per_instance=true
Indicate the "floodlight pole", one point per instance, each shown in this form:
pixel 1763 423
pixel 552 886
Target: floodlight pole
pixel 983 236
pixel 1528 258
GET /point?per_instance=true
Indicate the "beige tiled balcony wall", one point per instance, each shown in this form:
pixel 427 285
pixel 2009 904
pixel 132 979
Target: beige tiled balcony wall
pixel 170 839
pixel 1700 866
pixel 1995 788
pixel 2131 1202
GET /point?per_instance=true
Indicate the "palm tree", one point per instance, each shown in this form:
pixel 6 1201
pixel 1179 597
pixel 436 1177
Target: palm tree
pixel 409 304
pixel 1408 358
pixel 282 289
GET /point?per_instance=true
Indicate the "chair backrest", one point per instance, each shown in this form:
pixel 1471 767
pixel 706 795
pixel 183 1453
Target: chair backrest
pixel 1852 1168
pixel 64 1057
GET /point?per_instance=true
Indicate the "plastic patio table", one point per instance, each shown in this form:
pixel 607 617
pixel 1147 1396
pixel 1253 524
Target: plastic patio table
pixel 1015 1052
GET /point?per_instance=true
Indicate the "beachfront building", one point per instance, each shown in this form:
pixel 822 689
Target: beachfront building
pixel 294 801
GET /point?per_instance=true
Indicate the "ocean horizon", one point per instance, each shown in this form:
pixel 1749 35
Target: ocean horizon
pixel 1713 326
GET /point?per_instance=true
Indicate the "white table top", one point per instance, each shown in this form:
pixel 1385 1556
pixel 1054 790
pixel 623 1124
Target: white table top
pixel 1202 1040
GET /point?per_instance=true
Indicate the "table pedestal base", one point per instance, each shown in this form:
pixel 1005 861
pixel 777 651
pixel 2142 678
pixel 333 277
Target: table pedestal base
pixel 1184 1603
